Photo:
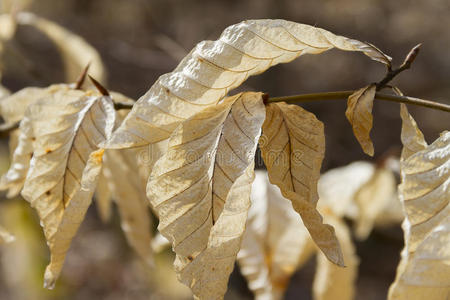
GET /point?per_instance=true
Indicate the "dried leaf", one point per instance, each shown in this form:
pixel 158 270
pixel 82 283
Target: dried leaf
pixel 275 242
pixel 76 52
pixel 424 268
pixel 412 138
pixel 201 190
pixel 337 187
pixel 372 198
pixel 159 243
pixel 5 236
pixel 332 282
pixel 293 147
pixel 362 192
pixel 425 275
pixel 103 195
pixel 128 191
pixel 213 68
pixel 359 114
pixel 14 179
pixel 13 107
pixel 68 127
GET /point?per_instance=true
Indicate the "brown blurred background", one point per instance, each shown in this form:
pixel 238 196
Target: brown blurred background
pixel 141 39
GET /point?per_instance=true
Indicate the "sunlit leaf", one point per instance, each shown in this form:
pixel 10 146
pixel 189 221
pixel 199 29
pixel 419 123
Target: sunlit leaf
pixel 372 198
pixel 13 109
pixel 333 282
pixel 103 196
pixel 14 179
pixel 201 190
pixel 423 272
pixel 293 147
pixel 412 138
pixel 275 242
pixel 68 127
pixel 213 68
pixel 337 187
pixel 359 114
pixel 128 191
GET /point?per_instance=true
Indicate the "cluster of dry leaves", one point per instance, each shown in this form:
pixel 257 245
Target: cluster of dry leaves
pixel 199 146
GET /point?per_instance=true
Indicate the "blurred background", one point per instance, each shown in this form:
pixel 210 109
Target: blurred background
pixel 139 40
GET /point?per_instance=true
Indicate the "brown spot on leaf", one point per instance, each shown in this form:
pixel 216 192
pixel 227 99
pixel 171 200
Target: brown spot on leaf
pixel 48 193
pixel 190 258
pixel 48 150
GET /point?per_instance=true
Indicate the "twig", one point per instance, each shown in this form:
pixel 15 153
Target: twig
pixel 409 59
pixel 345 94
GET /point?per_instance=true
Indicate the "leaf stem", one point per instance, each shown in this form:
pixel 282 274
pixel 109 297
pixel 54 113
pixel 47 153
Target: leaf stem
pixel 345 94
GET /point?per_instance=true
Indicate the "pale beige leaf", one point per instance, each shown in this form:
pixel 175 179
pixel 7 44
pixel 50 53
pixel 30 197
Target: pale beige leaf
pixel 68 127
pixel 14 179
pixel 13 107
pixel 128 192
pixel 159 243
pixel 5 236
pixel 427 273
pixel 213 68
pixel 359 114
pixel 293 147
pixel 103 195
pixel 251 257
pixel 275 242
pixel 363 193
pixel 424 270
pixel 391 214
pixel 372 198
pixel 337 187
pixel 332 282
pixel 208 273
pixel 412 138
pixel 76 52
pixel 201 190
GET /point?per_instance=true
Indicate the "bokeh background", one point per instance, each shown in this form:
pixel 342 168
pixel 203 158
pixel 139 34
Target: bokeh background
pixel 141 39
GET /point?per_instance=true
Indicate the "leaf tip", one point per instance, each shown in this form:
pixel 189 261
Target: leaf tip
pixel 49 279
